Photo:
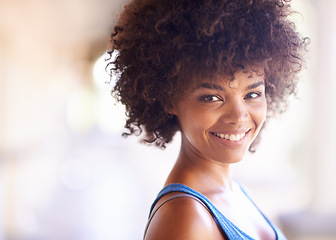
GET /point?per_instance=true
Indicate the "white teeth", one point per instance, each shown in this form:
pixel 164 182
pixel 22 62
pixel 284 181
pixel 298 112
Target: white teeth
pixel 233 138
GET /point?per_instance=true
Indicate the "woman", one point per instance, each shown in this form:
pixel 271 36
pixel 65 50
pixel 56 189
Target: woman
pixel 214 70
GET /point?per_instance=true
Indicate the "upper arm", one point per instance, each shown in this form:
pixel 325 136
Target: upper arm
pixel 182 218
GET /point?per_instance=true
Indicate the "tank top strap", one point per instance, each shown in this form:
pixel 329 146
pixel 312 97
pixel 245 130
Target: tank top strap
pixel 224 225
pixel 174 196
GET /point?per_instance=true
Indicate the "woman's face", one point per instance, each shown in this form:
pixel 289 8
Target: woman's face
pixel 220 119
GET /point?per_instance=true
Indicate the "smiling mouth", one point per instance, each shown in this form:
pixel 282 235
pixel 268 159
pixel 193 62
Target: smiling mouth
pixel 230 137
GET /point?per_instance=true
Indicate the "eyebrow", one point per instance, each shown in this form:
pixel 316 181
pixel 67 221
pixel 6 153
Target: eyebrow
pixel 218 87
pixel 255 85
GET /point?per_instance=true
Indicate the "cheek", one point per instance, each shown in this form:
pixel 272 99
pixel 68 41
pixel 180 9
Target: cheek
pixel 260 114
pixel 264 110
pixel 194 123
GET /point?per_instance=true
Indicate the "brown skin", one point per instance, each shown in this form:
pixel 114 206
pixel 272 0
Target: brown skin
pixel 220 106
pixel 182 218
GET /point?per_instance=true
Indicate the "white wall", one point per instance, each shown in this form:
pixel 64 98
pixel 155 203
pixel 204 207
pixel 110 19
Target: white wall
pixel 67 173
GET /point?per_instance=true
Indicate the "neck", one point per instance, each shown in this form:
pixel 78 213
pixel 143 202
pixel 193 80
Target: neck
pixel 200 173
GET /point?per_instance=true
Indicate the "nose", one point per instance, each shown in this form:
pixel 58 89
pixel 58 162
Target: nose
pixel 235 112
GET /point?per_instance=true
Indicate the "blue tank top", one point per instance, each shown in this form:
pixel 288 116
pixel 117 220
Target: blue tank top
pixel 226 227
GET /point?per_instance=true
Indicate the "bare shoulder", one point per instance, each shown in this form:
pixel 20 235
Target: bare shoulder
pixel 182 218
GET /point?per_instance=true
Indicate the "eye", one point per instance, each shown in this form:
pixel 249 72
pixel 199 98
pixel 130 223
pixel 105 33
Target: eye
pixel 252 95
pixel 210 98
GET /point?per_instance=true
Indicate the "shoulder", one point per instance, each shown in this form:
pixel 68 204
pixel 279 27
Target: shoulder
pixel 182 218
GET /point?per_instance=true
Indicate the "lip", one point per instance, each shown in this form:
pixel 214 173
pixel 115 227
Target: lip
pixel 229 143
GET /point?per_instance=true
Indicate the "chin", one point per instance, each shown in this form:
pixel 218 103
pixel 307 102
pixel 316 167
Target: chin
pixel 233 157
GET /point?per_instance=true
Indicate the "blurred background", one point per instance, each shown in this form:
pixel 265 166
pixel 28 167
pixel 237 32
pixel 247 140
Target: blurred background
pixel 66 172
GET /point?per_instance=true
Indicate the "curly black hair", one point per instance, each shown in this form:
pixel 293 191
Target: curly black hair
pixel 162 47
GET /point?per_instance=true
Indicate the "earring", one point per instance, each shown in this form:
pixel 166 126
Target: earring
pixel 170 115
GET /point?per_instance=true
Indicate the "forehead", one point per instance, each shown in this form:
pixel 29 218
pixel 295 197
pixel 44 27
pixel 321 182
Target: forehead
pixel 240 79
